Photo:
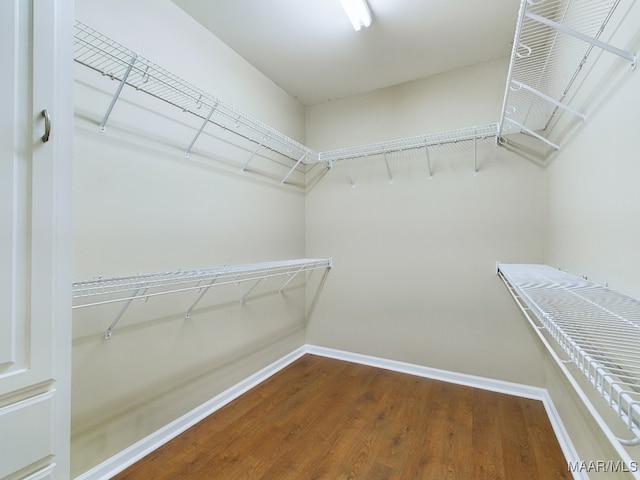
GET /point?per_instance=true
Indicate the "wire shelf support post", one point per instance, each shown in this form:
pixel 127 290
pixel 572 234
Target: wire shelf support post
pixel 475 156
pixel 257 282
pixel 386 162
pixel 426 153
pixel 187 152
pixel 253 154
pixel 109 332
pixel 293 168
pixel 204 291
pixel 123 81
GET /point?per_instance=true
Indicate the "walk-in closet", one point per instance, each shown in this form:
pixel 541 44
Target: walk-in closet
pixel 409 240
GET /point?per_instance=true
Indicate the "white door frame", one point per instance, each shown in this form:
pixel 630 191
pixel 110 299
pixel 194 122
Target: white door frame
pixel 35 218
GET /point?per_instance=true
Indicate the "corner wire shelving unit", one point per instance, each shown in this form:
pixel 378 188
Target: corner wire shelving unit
pixel 553 40
pixel 597 329
pixel 106 56
pixel 102 291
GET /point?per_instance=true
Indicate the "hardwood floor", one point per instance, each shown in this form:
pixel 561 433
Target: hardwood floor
pixel 321 418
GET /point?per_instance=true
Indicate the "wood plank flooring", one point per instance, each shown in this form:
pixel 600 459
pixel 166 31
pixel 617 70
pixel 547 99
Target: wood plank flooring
pixel 321 418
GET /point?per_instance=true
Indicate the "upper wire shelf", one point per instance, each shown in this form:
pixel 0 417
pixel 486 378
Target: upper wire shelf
pixel 552 42
pixel 102 291
pixel 597 328
pixel 479 132
pixel 100 53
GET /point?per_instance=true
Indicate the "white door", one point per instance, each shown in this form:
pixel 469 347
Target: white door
pixel 35 231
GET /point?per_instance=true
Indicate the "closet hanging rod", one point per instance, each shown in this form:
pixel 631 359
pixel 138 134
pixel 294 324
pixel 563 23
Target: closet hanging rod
pixel 410 143
pixel 102 54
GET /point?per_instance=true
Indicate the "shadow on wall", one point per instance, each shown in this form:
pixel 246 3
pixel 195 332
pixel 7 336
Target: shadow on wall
pixel 158 127
pixel 219 333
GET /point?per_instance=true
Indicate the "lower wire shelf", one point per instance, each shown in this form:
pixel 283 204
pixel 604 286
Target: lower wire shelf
pixel 101 291
pixel 597 328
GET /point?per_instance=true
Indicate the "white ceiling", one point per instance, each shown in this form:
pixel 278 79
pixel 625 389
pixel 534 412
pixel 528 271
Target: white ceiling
pixel 309 48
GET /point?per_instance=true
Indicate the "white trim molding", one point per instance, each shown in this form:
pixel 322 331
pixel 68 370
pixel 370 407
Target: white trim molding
pixel 135 452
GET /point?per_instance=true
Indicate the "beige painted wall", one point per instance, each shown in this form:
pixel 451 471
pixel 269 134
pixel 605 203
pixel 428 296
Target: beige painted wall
pixel 593 195
pixel 141 206
pixel 466 97
pixel 414 276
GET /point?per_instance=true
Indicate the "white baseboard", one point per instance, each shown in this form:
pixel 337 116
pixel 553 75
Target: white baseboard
pixel 562 435
pixel 135 452
pixel 483 383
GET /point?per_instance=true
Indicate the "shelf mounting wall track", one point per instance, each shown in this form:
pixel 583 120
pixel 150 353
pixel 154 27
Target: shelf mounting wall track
pixel 552 43
pixel 597 328
pixel 102 291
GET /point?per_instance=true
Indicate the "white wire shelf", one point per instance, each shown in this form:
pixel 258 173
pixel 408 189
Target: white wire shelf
pixel 553 40
pixel 430 143
pixel 102 291
pixel 479 132
pixel 597 328
pixel 104 55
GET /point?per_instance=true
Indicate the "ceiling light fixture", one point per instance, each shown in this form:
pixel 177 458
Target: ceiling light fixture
pixel 358 13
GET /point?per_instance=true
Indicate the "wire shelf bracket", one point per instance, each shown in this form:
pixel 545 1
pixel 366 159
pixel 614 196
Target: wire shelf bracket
pixel 585 38
pixel 116 95
pixel 187 152
pixel 597 328
pixel 293 168
pixel 386 162
pixel 203 292
pixel 533 134
pixel 549 99
pixel 475 156
pixel 479 132
pixel 108 333
pixel 346 167
pixel 253 154
pixel 103 291
pixel 257 282
pixel 426 153
pixel 291 278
